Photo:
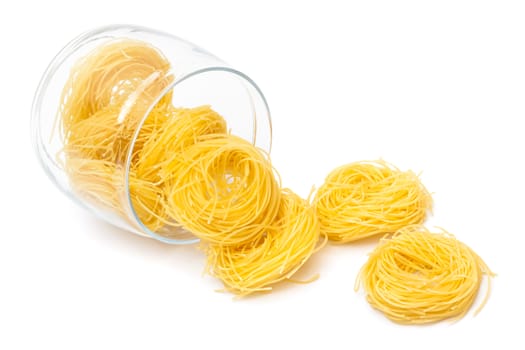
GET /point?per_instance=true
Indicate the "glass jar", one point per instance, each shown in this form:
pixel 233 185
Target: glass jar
pixel 192 77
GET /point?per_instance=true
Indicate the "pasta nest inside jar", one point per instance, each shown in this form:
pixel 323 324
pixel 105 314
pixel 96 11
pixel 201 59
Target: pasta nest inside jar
pixel 223 190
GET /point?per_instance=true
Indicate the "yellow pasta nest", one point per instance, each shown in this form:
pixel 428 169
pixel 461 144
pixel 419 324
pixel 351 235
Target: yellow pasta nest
pixel 420 277
pixel 121 72
pixel 275 255
pixel 223 189
pixel 163 138
pixel 161 144
pixel 363 199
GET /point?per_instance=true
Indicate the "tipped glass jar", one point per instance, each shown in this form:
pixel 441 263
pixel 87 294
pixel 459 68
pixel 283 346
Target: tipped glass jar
pixel 118 102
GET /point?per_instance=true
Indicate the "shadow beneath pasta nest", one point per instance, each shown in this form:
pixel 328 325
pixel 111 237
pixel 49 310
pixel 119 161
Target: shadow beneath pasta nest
pixel 367 242
pixel 330 254
pixel 378 316
pixel 317 265
pixel 357 248
pixel 149 248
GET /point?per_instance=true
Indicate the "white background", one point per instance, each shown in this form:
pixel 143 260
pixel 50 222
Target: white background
pixel 435 86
